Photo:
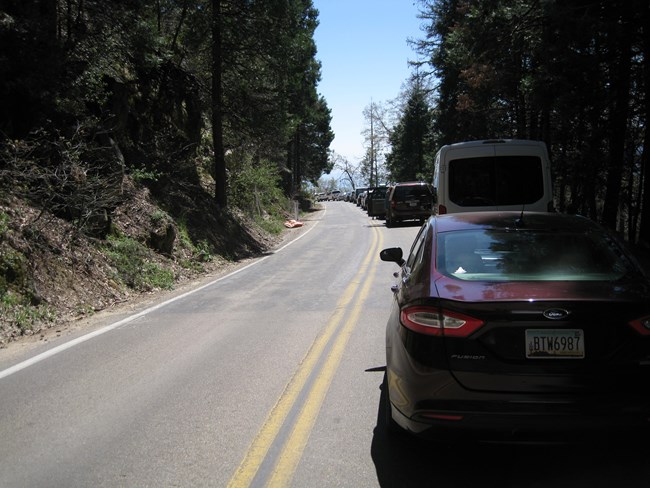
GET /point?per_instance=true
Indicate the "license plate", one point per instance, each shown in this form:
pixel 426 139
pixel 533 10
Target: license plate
pixel 413 204
pixel 555 343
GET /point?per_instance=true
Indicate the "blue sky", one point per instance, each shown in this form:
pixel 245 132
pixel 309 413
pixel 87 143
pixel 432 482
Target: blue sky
pixel 362 46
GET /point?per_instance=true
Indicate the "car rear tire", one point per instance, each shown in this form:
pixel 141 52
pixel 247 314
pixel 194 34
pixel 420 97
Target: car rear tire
pixel 392 428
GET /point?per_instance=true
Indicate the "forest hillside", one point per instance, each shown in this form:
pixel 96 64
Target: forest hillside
pixel 154 138
pixel 54 274
pixel 146 143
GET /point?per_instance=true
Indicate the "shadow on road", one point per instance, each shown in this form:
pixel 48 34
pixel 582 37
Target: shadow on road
pixel 382 223
pixel 405 461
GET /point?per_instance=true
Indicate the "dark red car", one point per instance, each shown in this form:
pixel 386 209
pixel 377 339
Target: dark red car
pixel 512 326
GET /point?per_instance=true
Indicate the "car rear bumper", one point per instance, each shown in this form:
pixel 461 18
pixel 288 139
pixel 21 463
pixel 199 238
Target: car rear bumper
pixel 410 214
pixel 530 429
pixel 454 413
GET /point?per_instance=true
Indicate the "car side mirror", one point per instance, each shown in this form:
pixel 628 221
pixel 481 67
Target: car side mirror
pixel 392 255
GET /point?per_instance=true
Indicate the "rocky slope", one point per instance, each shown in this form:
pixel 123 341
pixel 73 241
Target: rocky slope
pixel 51 274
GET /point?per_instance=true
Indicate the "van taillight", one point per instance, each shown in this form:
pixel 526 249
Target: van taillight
pixel 442 209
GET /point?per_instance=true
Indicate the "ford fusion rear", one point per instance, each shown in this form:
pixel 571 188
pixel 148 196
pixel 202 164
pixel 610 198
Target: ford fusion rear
pixel 518 326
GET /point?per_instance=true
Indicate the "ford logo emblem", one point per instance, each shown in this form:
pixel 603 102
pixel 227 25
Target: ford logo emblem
pixel 555 314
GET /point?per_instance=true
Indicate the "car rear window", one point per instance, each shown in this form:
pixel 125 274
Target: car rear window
pixel 530 255
pixel 408 192
pixel 493 181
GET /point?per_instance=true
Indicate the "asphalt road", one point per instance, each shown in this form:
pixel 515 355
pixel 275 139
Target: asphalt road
pixel 269 376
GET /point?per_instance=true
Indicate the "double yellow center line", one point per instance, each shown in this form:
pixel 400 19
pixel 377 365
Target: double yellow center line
pixel 335 335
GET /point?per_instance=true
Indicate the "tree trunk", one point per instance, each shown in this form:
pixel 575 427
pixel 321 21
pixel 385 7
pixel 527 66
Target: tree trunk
pixel 179 27
pixel 620 74
pixel 217 108
pixel 644 232
pixel 296 169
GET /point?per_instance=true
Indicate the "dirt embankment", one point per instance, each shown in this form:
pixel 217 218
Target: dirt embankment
pixel 62 278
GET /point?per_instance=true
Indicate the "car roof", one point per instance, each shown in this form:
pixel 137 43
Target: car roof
pixel 514 220
pixel 411 183
pixel 492 142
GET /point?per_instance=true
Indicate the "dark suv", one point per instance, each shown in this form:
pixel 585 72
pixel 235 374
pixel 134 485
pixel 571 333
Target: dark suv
pixel 409 201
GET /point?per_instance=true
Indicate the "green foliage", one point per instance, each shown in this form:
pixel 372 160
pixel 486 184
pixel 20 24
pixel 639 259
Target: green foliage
pixel 273 224
pixel 412 152
pixel 18 306
pixel 269 86
pixel 96 95
pixel 310 146
pixel 66 174
pixel 16 310
pixel 202 251
pixel 572 74
pixel 158 216
pixel 143 71
pixel 254 187
pixel 184 235
pixel 84 309
pixel 143 175
pixel 13 269
pixel 134 265
pixel 4 223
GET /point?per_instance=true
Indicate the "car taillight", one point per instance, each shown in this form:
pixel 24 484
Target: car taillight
pixel 642 325
pixel 433 321
pixel 442 210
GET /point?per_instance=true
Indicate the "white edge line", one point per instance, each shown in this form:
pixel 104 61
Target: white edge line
pixel 56 350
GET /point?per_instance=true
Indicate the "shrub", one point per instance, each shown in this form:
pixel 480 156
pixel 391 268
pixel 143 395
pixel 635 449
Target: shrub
pixel 4 223
pixel 15 310
pixel 134 265
pixel 254 187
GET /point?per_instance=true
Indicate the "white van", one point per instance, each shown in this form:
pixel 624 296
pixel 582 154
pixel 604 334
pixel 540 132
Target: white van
pixel 510 174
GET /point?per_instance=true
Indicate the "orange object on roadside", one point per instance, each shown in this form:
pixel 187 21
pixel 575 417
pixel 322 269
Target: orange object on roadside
pixel 293 223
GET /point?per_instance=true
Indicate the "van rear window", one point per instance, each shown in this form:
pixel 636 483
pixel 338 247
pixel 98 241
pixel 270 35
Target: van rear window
pixel 493 181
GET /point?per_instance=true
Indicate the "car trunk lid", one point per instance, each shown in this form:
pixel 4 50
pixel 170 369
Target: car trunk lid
pixel 535 339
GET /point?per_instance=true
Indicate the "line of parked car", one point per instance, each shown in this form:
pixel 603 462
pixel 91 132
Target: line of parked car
pixel 337 196
pixel 413 200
